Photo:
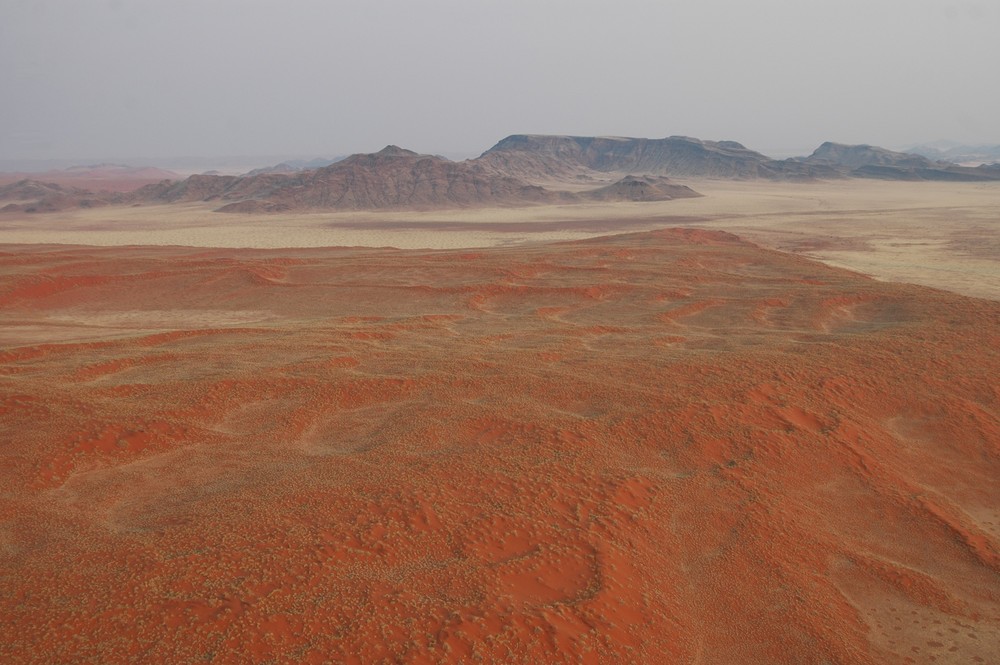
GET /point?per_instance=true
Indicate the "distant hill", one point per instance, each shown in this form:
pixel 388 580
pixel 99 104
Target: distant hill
pixel 855 156
pixel 534 157
pixel 34 196
pixel 296 165
pixel 641 188
pixel 96 177
pixel 966 155
pixel 542 157
pixel 865 161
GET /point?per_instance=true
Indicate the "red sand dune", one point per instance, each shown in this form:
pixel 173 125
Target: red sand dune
pixel 668 447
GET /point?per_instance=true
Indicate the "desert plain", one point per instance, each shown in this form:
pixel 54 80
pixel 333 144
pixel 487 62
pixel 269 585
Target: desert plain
pixel 762 426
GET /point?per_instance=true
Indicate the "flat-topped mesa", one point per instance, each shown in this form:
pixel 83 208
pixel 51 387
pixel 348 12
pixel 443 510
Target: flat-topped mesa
pixel 562 157
pixel 532 156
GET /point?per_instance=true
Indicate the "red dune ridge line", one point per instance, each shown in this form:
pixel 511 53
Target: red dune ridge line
pixel 657 447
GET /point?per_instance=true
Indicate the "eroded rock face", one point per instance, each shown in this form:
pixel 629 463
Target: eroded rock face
pixel 651 448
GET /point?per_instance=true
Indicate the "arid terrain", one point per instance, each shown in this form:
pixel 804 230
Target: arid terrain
pixel 657 447
pixel 499 333
pixel 936 234
pixel 544 406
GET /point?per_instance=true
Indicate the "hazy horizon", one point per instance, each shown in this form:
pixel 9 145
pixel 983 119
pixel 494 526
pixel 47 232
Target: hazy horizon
pixel 155 81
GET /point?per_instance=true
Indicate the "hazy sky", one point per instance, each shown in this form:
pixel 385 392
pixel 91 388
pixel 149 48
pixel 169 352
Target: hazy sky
pixel 161 78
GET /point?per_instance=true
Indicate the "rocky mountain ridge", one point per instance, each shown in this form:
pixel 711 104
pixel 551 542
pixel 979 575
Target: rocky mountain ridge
pixel 564 157
pixel 519 170
pixel 393 178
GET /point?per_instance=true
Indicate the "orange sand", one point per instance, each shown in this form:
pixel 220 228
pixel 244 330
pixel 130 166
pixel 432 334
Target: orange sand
pixel 666 447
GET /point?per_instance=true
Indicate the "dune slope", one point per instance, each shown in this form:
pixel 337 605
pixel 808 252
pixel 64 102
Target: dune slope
pixel 659 447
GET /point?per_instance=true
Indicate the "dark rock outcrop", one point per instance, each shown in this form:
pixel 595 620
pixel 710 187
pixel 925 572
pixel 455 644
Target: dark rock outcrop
pixel 641 188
